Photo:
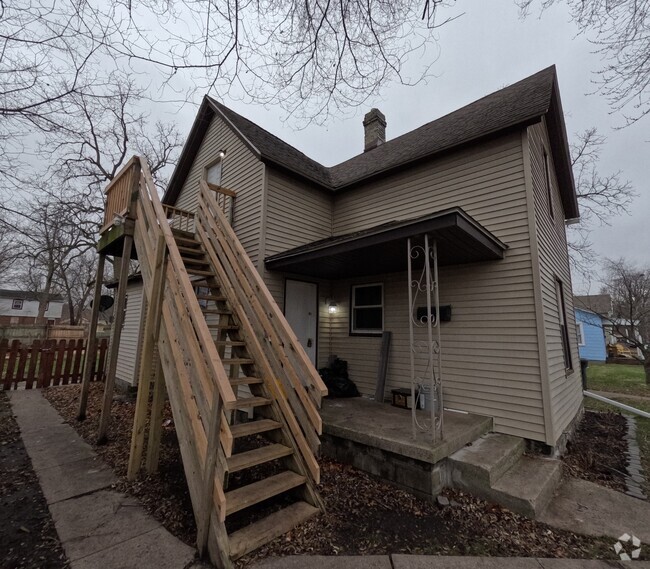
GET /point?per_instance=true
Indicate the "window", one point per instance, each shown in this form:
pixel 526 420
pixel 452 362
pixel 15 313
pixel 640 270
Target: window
pixel 564 333
pixel 547 182
pixel 212 172
pixel 17 304
pixel 367 309
pixel 581 334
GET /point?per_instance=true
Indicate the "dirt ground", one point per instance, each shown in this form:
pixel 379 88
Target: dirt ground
pixel 597 452
pixel 363 515
pixel 28 539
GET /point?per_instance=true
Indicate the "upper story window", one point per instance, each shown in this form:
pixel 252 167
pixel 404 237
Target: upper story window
pixel 547 183
pixel 17 304
pixel 564 332
pixel 580 331
pixel 212 172
pixel 367 314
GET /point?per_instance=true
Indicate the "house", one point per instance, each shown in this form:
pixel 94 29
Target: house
pixel 616 330
pixel 592 341
pixel 262 264
pixel 19 307
pixel 492 181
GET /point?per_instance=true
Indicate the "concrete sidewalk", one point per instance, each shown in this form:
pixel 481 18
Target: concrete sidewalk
pixel 97 526
pixel 440 562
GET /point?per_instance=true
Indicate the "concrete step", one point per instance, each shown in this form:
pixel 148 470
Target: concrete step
pixel 485 460
pixel 528 486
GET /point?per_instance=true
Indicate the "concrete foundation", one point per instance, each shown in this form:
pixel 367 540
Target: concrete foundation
pixel 423 479
pixel 378 438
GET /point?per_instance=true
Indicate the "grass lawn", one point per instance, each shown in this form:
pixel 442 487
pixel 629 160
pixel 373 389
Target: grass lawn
pixel 642 430
pixel 617 378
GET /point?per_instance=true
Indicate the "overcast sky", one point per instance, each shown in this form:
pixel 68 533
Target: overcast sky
pixel 485 49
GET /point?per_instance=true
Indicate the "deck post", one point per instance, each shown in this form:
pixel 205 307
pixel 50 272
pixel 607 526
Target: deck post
pixel 116 333
pixel 91 342
pixel 150 337
pixel 155 422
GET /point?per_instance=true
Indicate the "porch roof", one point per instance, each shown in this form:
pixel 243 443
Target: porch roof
pixel 383 249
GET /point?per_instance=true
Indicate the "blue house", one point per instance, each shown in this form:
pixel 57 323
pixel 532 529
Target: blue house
pixel 591 336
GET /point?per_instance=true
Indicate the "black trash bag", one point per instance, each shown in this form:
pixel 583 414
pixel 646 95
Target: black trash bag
pixel 337 380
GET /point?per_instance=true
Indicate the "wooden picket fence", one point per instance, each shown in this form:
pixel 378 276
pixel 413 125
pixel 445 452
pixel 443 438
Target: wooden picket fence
pixel 47 362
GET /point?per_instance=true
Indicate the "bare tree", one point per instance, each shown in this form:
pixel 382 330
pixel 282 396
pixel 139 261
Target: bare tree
pixel 629 287
pixel 600 196
pixel 307 56
pixel 620 32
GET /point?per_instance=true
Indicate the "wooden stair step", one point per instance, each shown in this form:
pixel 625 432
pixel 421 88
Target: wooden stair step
pixel 214 297
pixel 257 456
pixel 194 261
pixel 194 251
pixel 246 381
pixel 186 238
pixel 276 524
pixel 221 327
pixel 246 402
pixel 237 361
pixel 257 492
pixel 193 271
pixel 216 311
pixel 254 427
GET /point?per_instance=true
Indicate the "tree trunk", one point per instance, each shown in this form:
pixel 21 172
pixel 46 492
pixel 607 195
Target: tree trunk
pixel 646 368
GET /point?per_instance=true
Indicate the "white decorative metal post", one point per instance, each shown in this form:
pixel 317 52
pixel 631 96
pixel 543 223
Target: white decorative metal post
pixel 426 363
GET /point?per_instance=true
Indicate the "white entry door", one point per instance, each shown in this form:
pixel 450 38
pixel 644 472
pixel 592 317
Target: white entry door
pixel 301 311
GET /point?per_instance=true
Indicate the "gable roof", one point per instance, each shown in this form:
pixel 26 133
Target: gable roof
pixel 515 106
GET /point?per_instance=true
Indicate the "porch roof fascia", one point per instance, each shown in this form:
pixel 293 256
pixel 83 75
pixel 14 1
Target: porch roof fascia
pixel 453 219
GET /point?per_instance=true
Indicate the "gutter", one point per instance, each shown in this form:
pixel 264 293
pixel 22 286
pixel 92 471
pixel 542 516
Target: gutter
pixel 622 406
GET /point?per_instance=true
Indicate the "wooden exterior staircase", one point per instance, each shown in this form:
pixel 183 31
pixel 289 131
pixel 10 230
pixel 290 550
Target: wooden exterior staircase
pixel 224 346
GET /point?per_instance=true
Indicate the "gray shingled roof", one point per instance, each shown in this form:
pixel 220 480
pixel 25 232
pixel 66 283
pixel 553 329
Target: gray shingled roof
pixel 598 303
pixel 28 295
pixel 519 104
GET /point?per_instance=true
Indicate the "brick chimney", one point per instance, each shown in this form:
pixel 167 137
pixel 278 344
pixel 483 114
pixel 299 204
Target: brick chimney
pixel 374 126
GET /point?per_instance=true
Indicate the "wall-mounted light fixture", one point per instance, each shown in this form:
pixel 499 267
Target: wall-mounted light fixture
pixel 222 153
pixel 332 307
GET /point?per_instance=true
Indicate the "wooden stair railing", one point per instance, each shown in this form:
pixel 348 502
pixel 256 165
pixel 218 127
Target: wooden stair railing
pixel 222 347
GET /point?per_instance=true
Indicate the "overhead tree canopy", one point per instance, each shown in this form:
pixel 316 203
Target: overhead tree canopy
pixel 620 32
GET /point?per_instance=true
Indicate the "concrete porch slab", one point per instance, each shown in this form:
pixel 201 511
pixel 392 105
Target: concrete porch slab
pixel 388 428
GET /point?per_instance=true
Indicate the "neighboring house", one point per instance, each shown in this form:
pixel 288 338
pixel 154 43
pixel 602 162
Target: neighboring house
pixel 615 329
pixel 19 307
pixel 591 336
pixel 491 183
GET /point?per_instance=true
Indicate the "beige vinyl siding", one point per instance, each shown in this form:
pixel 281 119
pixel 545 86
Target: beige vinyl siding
pixel 565 387
pixel 296 213
pixel 490 347
pixel 128 355
pixel 241 171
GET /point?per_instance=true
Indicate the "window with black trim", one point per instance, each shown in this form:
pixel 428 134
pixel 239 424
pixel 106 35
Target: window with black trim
pixel 547 182
pixel 17 304
pixel 367 309
pixel 564 332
